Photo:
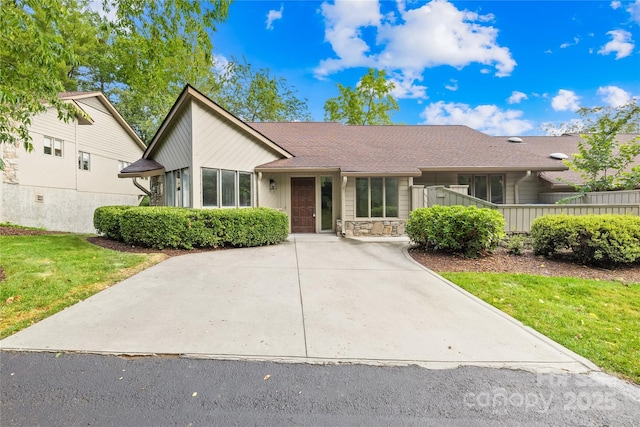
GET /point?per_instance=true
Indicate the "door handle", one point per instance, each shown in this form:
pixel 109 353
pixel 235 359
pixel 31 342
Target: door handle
pixel 314 213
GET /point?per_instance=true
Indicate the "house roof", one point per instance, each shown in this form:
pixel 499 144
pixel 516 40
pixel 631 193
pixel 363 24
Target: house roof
pixel 84 118
pixel 142 168
pixel 190 93
pixel 566 144
pixel 396 149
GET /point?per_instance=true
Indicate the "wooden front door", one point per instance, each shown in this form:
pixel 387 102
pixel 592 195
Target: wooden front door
pixel 303 205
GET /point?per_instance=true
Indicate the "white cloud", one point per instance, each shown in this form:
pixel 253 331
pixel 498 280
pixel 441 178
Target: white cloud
pixel 410 40
pixel 517 97
pixel 621 44
pixel 485 118
pixel 614 96
pixel 406 86
pixel 634 10
pixel 453 86
pixel 565 100
pixel 576 40
pixel 615 4
pixel 273 16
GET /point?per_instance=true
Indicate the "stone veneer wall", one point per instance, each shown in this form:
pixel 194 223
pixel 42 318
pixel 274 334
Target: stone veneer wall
pixel 373 227
pixel 11 159
pixel 157 191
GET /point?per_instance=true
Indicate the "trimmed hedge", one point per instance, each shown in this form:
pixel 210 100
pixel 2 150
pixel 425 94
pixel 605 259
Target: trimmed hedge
pixel 106 220
pixel 592 239
pixel 171 227
pixel 464 229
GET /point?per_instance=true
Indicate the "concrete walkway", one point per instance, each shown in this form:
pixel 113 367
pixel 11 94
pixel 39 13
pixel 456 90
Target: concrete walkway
pixel 315 298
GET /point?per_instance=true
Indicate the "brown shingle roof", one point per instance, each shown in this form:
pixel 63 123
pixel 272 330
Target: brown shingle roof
pixel 396 149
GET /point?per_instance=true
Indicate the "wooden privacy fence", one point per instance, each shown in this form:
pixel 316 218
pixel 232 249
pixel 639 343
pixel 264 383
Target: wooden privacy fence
pixel 518 218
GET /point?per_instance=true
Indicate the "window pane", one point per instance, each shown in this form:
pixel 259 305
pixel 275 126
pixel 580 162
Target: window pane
pixel 480 187
pixel 186 185
pixel 244 188
pixel 57 148
pixel 228 188
pixel 465 180
pixel 497 188
pixel 362 197
pixel 47 145
pixel 326 194
pixel 169 186
pixel 391 196
pixel 84 161
pixel 376 197
pixel 209 187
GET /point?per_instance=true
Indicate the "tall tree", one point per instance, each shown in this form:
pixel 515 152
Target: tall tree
pixel 141 57
pixel 153 50
pixel 255 95
pixel 602 161
pixel 369 103
pixel 34 60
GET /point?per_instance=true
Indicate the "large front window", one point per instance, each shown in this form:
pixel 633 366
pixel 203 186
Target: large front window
pixel 225 188
pixel 178 184
pixel 485 187
pixel 376 197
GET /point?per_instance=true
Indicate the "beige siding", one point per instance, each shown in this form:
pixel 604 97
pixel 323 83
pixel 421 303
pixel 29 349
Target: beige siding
pixel 94 103
pixel 103 177
pixel 350 199
pixel 49 124
pixel 528 188
pixel 404 206
pixel 221 145
pixel 37 168
pixel 105 137
pixel 174 151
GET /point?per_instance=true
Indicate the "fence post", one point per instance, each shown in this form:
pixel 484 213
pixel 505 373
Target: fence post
pixel 417 197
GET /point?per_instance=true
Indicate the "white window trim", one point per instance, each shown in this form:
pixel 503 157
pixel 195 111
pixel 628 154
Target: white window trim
pixel 81 161
pixel 384 199
pixel 236 189
pixel 52 147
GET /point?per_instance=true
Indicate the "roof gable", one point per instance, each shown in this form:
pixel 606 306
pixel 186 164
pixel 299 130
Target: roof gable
pixel 190 94
pixel 74 96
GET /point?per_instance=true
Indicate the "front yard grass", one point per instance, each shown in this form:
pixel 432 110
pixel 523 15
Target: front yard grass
pixel 596 319
pixel 46 273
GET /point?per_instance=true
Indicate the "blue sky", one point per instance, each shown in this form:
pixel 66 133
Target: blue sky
pixel 502 67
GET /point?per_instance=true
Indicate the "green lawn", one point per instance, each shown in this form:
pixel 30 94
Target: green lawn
pixel 598 320
pixel 47 273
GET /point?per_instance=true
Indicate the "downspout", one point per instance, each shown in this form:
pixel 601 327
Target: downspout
pixel 343 198
pixel 144 190
pixel 258 189
pixel 516 186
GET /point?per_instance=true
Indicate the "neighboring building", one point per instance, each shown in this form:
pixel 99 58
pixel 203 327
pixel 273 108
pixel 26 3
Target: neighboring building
pixel 73 168
pixel 331 177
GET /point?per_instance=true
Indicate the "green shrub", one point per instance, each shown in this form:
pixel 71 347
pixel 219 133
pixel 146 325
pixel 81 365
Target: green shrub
pixel 170 227
pixel 106 220
pixel 464 229
pixel 516 244
pixel 592 239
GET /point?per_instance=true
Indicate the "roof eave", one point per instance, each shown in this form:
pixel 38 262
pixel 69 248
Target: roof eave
pixel 493 168
pixel 144 174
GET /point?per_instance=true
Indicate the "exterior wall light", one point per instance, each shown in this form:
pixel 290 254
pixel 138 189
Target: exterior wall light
pixel 272 184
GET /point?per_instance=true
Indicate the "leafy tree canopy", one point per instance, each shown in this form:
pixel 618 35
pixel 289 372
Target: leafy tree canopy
pixel 255 95
pixel 603 161
pixel 369 103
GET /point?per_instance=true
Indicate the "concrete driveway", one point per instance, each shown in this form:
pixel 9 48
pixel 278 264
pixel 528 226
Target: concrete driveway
pixel 315 298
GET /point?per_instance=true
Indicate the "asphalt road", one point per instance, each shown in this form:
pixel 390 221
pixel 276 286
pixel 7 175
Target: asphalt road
pixel 51 389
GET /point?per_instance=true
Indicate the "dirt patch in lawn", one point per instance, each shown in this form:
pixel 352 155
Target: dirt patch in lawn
pixel 500 261
pixel 123 247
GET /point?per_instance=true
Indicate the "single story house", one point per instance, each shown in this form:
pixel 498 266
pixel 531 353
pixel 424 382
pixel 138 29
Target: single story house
pixel 330 177
pixel 73 168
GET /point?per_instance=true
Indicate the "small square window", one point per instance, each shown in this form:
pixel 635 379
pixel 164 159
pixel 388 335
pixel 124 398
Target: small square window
pixel 84 161
pixel 48 145
pixel 57 147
